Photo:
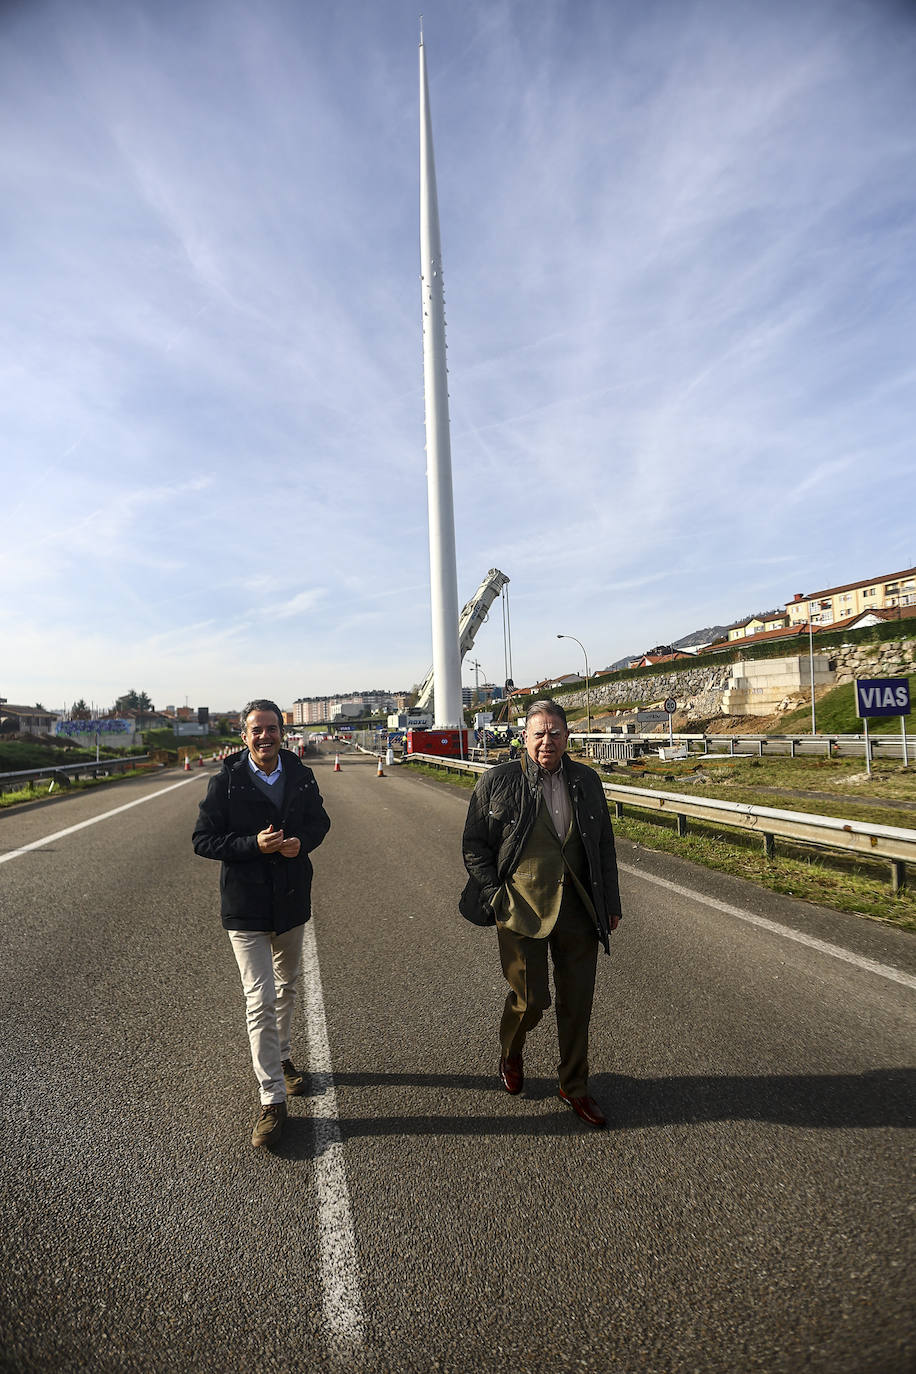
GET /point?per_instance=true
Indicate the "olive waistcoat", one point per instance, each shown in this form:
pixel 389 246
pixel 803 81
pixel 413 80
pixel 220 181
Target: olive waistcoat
pixel 548 868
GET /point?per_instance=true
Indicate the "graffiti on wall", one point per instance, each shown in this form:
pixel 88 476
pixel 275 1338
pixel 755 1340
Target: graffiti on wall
pixel 94 727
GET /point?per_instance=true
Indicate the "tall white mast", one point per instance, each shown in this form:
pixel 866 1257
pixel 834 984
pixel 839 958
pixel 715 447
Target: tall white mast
pixel 442 562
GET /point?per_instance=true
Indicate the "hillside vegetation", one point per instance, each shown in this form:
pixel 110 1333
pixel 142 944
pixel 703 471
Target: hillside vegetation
pixel 17 755
pixel 835 713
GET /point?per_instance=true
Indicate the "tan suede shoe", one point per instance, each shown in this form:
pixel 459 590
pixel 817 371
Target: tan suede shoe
pixel 294 1080
pixel 269 1126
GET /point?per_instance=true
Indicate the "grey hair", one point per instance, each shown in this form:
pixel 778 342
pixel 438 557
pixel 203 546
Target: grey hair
pixel 261 704
pixel 546 707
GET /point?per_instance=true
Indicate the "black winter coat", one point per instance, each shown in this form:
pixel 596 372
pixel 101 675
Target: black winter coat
pixel 261 891
pixel 501 814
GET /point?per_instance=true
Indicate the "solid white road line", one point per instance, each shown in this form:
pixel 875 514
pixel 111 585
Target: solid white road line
pixel 106 815
pixel 896 975
pixel 341 1296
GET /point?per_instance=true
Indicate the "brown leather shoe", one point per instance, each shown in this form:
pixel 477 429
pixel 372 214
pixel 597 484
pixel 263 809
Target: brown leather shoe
pixel 585 1107
pixel 512 1073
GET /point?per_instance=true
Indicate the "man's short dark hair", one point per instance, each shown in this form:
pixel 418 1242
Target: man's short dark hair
pixel 547 707
pixel 262 704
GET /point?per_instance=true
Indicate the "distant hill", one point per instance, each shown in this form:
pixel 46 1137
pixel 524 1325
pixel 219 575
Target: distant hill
pixel 700 637
pixel 691 641
pixel 621 663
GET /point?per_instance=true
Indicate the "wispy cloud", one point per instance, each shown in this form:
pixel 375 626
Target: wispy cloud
pixel 297 605
pixel 678 248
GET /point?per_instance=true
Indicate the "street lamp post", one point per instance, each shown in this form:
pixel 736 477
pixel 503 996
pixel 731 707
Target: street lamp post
pixel 588 713
pixel 811 666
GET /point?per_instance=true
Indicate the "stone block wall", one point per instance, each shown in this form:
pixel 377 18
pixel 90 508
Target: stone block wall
pixel 893 658
pixel 699 691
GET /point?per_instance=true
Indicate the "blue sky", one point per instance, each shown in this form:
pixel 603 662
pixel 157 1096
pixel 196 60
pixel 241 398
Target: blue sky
pixel 678 243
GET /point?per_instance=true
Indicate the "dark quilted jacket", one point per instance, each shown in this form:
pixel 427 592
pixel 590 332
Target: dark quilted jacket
pixel 261 891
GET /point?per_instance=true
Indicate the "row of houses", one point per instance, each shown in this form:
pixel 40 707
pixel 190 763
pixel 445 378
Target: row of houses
pixel 886 598
pixel 852 606
pixel 849 607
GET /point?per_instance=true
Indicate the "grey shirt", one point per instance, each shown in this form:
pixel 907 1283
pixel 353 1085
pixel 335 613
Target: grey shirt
pixel 556 794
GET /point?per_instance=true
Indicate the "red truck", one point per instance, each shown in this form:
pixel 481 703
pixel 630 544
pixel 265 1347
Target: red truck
pixel 445 743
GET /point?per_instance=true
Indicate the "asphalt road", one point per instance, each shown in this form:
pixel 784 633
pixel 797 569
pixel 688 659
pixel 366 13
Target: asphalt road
pixel 751 1207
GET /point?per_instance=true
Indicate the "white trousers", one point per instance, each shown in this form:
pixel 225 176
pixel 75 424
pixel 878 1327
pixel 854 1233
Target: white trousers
pixel 270 966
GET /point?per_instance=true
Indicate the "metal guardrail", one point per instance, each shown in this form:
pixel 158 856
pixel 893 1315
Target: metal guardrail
pixel 9 781
pixel 885 746
pixel 893 843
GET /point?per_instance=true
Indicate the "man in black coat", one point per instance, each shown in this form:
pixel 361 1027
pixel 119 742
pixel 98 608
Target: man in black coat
pixel 261 817
pixel 539 850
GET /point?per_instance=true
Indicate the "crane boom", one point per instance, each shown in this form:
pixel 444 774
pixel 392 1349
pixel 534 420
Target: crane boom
pixel 472 617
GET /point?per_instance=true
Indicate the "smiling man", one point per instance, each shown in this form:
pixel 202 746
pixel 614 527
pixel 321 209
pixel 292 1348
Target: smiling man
pixel 539 849
pixel 261 817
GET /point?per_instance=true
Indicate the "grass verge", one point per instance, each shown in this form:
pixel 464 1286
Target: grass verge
pixel 834 880
pixel 427 770
pixel 835 714
pixel 756 780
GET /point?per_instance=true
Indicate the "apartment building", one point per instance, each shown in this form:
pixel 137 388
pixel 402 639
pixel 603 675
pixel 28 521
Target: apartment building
pixel 318 710
pixel 487 691
pixel 758 624
pixel 310 711
pixel 855 598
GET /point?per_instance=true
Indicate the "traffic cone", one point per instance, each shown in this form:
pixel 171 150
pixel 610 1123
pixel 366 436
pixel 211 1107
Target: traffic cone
pixel 336 763
pixel 381 771
pixel 200 760
pixel 187 763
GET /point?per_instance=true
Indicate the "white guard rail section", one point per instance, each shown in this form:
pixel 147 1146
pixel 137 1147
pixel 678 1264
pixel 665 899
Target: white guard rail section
pixel 893 843
pixel 10 782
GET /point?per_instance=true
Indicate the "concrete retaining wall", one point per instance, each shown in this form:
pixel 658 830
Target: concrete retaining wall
pixel 700 690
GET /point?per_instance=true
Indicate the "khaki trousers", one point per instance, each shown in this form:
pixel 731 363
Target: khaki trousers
pixel 270 966
pixel 573 947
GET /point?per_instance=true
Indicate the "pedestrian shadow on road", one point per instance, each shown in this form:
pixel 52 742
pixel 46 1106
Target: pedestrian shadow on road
pixel 878 1098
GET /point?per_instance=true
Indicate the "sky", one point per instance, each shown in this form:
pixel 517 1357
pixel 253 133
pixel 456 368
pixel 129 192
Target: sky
pixel 678 241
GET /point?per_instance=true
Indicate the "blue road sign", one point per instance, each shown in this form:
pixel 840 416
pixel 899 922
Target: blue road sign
pixel 882 696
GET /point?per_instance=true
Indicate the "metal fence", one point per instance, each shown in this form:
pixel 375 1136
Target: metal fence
pixel 893 843
pixel 889 746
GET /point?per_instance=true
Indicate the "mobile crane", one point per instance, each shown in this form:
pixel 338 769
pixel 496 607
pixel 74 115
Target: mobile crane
pixel 469 622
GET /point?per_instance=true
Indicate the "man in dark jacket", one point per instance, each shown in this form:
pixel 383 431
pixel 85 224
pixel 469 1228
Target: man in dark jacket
pixel 261 817
pixel 539 849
